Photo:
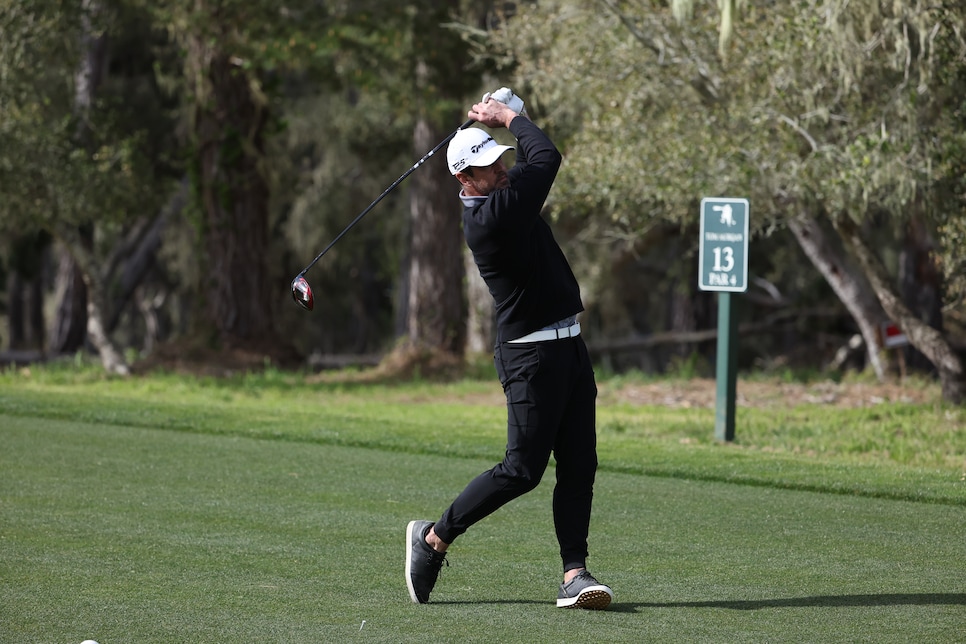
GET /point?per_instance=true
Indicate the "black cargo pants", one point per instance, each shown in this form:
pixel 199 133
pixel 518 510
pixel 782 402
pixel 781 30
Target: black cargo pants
pixel 551 408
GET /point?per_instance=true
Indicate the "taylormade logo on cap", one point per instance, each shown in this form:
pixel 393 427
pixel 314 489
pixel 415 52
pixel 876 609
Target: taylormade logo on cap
pixel 473 147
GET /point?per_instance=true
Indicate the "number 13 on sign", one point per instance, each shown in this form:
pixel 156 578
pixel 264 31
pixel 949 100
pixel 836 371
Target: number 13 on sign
pixel 723 245
pixel 728 260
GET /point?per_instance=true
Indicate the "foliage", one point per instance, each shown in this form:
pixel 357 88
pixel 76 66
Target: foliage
pixel 950 198
pixel 342 148
pixel 65 164
pixel 852 108
pixel 326 174
pixel 84 152
pixel 148 122
pixel 835 103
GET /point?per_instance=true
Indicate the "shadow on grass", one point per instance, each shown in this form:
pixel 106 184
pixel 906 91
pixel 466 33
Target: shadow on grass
pixel 469 602
pixel 820 601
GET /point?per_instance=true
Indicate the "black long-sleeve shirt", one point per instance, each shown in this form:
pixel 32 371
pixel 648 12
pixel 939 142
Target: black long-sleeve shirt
pixel 527 274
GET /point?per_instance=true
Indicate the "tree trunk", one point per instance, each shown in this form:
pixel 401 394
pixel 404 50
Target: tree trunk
pixel 79 240
pixel 69 330
pixel 26 311
pixel 920 285
pixel 93 66
pixel 69 327
pixel 79 244
pixel 152 323
pixel 25 291
pixel 849 285
pixel 131 263
pixel 681 314
pixel 112 359
pixel 230 129
pixel 436 318
pixel 36 333
pixel 480 323
pixel 931 342
pixel 15 311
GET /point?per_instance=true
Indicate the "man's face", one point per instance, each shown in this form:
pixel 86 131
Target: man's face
pixel 484 180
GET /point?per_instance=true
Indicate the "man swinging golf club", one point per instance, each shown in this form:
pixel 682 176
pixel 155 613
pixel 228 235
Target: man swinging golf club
pixel 540 357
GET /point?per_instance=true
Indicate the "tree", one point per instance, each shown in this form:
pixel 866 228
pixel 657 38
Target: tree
pixel 436 311
pixel 74 160
pixel 848 283
pixel 836 118
pixel 404 67
pixel 25 290
pixel 232 53
pixel 900 111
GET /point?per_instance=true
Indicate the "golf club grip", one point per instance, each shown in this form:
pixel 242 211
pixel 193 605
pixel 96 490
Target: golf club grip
pixel 385 192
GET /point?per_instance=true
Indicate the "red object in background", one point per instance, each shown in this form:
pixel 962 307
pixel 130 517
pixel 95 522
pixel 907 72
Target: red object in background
pixel 892 336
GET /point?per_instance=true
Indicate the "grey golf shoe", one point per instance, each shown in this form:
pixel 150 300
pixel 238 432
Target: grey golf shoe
pixel 422 562
pixel 583 591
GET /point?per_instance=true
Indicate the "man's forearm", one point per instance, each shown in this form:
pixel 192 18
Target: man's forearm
pixel 533 145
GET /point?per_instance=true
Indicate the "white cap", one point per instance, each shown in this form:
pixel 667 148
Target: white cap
pixel 473 147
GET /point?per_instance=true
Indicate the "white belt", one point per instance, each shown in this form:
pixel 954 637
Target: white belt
pixel 550 334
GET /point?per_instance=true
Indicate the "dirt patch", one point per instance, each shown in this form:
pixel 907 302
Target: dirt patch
pixel 697 393
pixel 702 393
pixel 191 357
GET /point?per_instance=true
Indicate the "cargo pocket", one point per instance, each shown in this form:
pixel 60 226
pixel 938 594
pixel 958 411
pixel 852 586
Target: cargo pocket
pixel 516 365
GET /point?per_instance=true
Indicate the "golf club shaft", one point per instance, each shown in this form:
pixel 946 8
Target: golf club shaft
pixel 385 192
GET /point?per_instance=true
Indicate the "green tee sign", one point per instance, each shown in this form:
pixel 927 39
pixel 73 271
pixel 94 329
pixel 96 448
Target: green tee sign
pixel 723 247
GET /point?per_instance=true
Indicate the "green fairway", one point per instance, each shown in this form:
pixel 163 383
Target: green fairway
pixel 117 529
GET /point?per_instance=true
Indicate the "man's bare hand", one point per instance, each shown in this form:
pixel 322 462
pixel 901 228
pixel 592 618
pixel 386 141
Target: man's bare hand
pixel 492 113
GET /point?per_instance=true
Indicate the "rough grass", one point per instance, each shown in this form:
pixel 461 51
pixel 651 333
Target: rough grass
pixel 872 446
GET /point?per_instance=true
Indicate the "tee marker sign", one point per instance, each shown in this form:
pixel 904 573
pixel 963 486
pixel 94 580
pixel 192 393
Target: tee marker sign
pixel 723 266
pixel 723 245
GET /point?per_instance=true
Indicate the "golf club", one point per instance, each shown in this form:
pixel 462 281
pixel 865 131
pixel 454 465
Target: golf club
pixel 301 291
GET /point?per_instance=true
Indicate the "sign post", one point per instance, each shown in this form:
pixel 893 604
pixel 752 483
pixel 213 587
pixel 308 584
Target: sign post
pixel 723 267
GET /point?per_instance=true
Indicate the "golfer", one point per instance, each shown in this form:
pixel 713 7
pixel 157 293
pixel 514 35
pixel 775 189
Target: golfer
pixel 540 357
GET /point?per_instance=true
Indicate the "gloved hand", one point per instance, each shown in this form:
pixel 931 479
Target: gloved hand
pixel 506 96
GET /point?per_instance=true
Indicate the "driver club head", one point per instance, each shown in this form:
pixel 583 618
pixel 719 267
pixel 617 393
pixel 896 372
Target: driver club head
pixel 302 293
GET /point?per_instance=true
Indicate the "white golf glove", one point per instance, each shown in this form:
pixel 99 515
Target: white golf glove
pixel 506 96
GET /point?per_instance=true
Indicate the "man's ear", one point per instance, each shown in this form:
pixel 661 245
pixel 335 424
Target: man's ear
pixel 464 179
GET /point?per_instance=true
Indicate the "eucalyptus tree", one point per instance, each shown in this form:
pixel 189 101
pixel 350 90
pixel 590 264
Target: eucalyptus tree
pixel 827 114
